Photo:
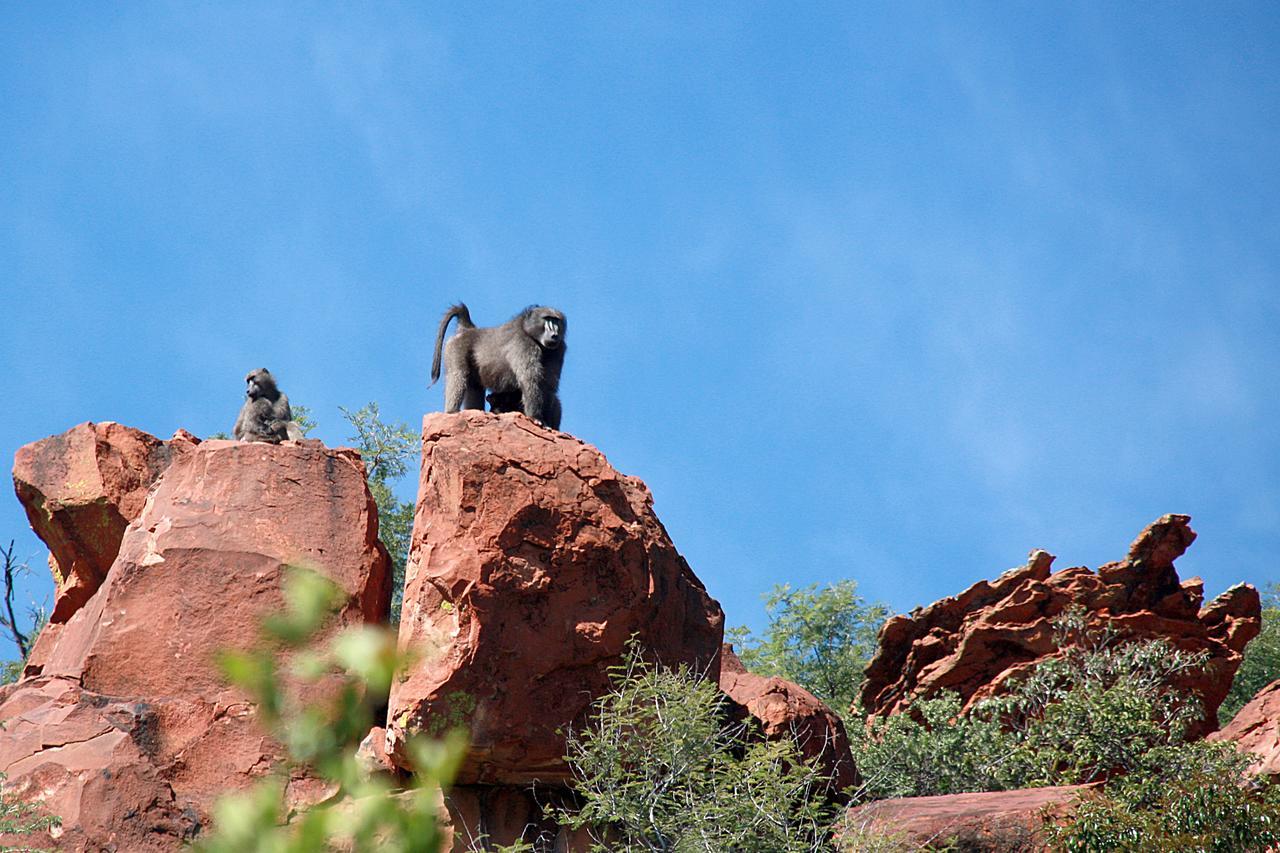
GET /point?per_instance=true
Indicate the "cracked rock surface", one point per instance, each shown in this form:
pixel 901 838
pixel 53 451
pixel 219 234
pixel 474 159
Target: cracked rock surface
pixel 532 563
pixel 123 725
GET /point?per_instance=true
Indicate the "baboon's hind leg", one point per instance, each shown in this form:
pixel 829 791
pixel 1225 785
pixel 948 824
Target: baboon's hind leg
pixel 473 397
pixel 455 390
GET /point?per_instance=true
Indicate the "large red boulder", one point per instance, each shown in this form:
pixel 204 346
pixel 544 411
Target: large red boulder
pixel 204 564
pixel 974 643
pixel 784 709
pixel 988 820
pixel 81 489
pixel 1255 730
pixel 197 572
pixel 532 564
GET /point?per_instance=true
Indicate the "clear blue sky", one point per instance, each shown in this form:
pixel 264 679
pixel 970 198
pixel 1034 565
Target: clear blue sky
pixel 891 292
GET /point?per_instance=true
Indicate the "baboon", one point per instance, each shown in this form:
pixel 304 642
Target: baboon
pixel 265 415
pixel 519 361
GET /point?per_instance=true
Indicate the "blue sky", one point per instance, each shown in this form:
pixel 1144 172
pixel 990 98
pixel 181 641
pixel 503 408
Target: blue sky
pixel 893 292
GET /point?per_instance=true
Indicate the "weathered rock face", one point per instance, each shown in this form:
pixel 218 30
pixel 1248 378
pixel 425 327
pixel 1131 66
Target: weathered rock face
pixel 532 563
pixel 786 710
pixel 205 561
pixel 81 489
pixel 197 571
pixel 90 760
pixel 1010 821
pixel 1255 730
pixel 975 642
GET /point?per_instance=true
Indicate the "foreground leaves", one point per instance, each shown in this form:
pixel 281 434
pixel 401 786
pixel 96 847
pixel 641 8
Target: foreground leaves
pixel 321 737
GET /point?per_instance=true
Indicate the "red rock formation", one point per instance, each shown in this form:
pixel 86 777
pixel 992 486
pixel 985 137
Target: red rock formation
pixel 996 820
pixel 785 709
pixel 81 489
pixel 532 563
pixel 197 572
pixel 974 642
pixel 90 760
pixel 1255 730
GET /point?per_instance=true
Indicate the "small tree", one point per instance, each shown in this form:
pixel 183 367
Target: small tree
pixel 387 450
pixel 819 638
pixel 23 633
pixel 660 769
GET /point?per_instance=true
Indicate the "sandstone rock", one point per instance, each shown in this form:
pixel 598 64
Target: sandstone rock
pixel 371 757
pixel 81 489
pixel 785 709
pixel 89 759
pixel 1255 729
pixel 197 571
pixel 1007 821
pixel 975 642
pixel 204 562
pixel 532 563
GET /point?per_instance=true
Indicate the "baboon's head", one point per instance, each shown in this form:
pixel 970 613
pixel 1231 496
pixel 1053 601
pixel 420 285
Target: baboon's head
pixel 261 384
pixel 546 326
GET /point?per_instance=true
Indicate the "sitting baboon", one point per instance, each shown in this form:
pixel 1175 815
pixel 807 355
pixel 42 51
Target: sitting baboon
pixel 265 415
pixel 520 361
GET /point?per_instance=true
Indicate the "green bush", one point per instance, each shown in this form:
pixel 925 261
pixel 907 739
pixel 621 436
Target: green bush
pixel 1190 797
pixel 934 749
pixel 660 769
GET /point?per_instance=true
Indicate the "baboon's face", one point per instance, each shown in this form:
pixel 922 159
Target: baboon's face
pixel 547 327
pixel 260 382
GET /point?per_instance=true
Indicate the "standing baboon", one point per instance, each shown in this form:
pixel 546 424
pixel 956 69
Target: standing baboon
pixel 520 361
pixel 265 415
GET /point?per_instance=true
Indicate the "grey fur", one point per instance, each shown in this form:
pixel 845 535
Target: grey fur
pixel 519 361
pixel 265 415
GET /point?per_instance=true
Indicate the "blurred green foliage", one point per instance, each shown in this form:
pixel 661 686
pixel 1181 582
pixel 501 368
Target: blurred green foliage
pixel 345 683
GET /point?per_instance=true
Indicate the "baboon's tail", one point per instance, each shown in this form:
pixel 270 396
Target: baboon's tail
pixel 464 322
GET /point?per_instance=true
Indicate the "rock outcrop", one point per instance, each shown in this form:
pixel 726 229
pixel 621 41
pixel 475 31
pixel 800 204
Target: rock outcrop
pixel 204 563
pixel 532 564
pixel 1011 821
pixel 81 489
pixel 975 642
pixel 784 709
pixel 129 688
pixel 90 760
pixel 1255 730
